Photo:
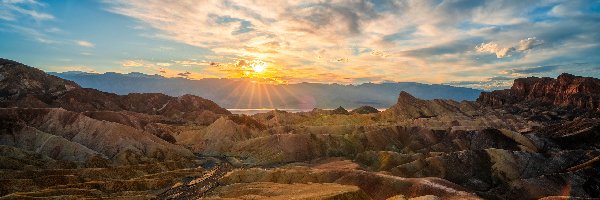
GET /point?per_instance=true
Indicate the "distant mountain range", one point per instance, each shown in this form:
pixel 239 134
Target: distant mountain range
pixel 244 93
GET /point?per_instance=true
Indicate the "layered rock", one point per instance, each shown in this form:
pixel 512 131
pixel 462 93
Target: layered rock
pixel 566 91
pixel 120 143
pixel 409 106
pixel 219 137
pixel 369 182
pixel 118 182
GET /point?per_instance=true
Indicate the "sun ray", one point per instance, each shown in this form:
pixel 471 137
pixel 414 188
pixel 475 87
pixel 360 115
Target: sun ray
pixel 265 88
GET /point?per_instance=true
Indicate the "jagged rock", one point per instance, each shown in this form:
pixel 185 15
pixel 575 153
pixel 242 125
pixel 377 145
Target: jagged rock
pixel 482 170
pixel 410 107
pixel 25 86
pixel 340 111
pixel 577 134
pixel 53 146
pixel 364 110
pixel 120 143
pixel 20 81
pixel 222 135
pixel 566 90
pixel 439 113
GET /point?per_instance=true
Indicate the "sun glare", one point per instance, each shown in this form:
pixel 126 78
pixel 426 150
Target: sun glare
pixel 259 67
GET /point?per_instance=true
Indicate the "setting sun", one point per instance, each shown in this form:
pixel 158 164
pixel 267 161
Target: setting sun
pixel 259 66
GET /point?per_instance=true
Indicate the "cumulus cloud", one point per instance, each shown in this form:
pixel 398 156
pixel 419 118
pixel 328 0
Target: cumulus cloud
pixel 501 52
pixel 492 47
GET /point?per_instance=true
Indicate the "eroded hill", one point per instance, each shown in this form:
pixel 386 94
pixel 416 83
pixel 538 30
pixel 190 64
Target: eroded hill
pixel 58 140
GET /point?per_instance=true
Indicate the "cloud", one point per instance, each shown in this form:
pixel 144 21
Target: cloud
pixel 163 64
pixel 349 40
pixel 528 43
pixel 501 52
pixel 32 33
pixel 184 74
pixel 132 63
pixel 84 43
pixel 11 10
pixel 79 68
pixel 493 47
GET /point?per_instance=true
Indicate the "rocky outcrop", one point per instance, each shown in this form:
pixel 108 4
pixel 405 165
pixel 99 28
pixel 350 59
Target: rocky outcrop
pixel 410 107
pixel 219 137
pixel 369 182
pixel 186 107
pixel 120 143
pixel 578 134
pixel 24 86
pixel 443 114
pixel 364 110
pixel 284 148
pixel 566 91
pixel 118 182
pixel 53 146
pixel 340 111
pixel 18 81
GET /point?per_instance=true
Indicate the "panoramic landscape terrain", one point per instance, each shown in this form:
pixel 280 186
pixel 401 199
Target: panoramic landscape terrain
pixel 540 138
pixel 307 99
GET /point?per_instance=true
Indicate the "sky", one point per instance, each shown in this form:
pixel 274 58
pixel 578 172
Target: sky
pixel 471 43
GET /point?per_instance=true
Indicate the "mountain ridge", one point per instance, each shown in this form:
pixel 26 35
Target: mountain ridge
pixel 243 93
pixel 566 90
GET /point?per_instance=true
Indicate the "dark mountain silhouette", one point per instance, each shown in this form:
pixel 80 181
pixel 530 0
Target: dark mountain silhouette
pixel 243 93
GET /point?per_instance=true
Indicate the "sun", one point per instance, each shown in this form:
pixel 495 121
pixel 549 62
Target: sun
pixel 258 67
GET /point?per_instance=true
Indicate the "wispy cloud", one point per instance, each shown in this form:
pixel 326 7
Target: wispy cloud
pixel 12 10
pixel 84 43
pixel 132 63
pixel 32 33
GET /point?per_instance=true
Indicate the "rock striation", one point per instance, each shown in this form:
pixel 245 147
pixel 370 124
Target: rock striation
pixel 536 140
pixel 565 91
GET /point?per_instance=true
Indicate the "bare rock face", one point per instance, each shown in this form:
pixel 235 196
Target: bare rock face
pixel 120 143
pixel 18 81
pixel 340 111
pixel 369 182
pixel 364 110
pixel 443 114
pixel 55 147
pixel 186 107
pixel 24 86
pixel 409 106
pixel 566 91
